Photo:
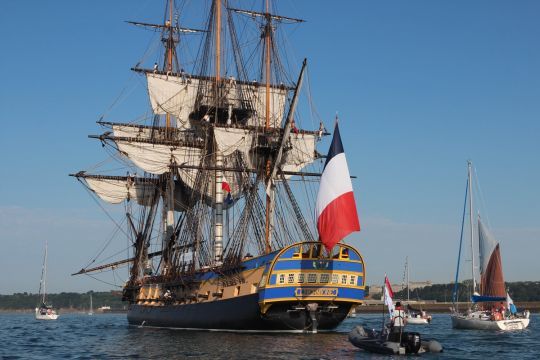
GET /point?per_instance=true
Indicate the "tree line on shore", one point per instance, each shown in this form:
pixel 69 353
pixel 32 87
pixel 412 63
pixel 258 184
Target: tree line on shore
pixel 64 300
pixel 519 291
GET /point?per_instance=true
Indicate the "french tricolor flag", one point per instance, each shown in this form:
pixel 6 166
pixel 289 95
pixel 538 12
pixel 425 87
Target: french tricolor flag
pixel 336 208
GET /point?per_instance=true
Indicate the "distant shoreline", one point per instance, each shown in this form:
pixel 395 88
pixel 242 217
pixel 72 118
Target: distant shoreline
pixel 62 311
pixel 532 306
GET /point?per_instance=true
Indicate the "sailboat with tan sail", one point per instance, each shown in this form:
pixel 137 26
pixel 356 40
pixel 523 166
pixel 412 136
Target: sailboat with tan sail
pixel 491 307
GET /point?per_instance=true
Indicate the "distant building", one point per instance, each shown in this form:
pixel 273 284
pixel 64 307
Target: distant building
pixel 376 290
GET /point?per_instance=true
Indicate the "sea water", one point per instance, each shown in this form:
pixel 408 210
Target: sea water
pixel 108 336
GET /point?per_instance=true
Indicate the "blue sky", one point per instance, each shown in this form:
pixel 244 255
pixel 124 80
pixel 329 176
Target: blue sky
pixel 420 86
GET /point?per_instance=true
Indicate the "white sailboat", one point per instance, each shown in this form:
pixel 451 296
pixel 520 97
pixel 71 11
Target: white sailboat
pixel 414 316
pixel 492 308
pixel 44 311
pixel 91 312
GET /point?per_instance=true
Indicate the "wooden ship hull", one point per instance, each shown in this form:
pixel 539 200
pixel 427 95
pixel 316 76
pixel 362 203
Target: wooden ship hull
pixel 289 290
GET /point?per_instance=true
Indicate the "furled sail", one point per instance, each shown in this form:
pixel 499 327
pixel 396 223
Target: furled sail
pixel 176 95
pixel 115 189
pixel 172 94
pixel 229 140
pixel 301 152
pixel 154 133
pixel 491 274
pixel 131 131
pixel 157 158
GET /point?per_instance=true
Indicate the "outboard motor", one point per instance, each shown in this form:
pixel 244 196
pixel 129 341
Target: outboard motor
pixel 411 342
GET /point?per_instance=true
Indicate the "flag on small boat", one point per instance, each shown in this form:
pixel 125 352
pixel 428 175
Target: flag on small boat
pixel 336 208
pixel 388 295
pixel 510 303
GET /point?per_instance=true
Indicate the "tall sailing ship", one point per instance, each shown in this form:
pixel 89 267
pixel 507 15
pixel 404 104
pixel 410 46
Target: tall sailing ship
pixel 219 238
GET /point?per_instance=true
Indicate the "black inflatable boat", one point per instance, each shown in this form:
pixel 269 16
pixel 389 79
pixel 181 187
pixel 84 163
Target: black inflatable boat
pixel 395 343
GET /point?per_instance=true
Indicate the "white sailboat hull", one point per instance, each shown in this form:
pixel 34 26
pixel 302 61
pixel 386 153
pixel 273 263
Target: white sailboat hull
pixel 416 320
pixel 477 323
pixel 51 316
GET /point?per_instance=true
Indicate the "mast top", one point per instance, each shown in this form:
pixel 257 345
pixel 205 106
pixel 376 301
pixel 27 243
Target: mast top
pixel 167 26
pixel 266 15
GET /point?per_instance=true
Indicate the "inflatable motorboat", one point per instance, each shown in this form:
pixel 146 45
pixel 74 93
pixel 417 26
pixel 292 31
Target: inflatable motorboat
pixel 397 343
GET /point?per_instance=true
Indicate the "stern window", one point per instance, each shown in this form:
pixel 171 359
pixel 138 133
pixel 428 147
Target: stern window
pixel 344 279
pixel 282 278
pixel 290 279
pixel 312 278
pixel 353 280
pixel 325 278
pixel 301 278
pixel 335 278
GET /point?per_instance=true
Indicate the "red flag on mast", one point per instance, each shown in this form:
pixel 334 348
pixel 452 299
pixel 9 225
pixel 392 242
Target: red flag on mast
pixel 388 295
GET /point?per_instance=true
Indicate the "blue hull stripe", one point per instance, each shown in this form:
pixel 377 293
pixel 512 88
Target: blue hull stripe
pixel 291 292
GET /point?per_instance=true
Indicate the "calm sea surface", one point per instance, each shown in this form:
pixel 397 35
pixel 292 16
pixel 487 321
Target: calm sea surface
pixel 108 336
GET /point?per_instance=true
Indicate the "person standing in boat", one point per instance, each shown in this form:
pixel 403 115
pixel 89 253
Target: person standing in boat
pixel 398 318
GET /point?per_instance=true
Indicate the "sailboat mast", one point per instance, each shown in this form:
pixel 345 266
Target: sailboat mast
pixel 44 275
pixel 472 224
pixel 407 266
pixel 267 126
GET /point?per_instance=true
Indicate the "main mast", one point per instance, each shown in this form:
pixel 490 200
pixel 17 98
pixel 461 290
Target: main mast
pixel 168 197
pixel 269 195
pixel 218 225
